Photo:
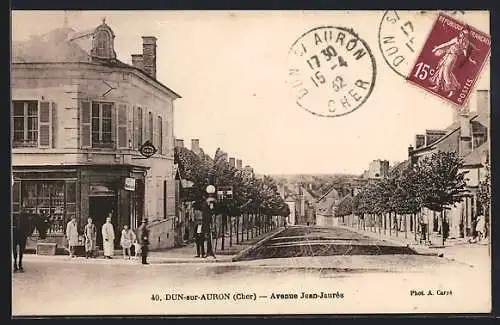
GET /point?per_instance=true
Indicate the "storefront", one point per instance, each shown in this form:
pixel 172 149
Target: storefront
pixel 81 192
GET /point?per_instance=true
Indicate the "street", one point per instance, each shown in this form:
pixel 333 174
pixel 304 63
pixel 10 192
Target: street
pixel 327 260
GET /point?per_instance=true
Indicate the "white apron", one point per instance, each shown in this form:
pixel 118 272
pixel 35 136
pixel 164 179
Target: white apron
pixel 109 234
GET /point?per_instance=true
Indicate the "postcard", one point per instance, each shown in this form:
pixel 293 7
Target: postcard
pixel 250 162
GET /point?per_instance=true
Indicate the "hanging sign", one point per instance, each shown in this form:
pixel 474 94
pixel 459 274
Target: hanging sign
pixel 147 149
pixel 129 184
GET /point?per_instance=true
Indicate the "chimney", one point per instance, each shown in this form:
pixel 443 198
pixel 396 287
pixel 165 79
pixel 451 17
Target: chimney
pixel 149 55
pixel 138 61
pixel 195 146
pixel 232 162
pixel 179 143
pixel 239 164
pixel 458 111
pixel 465 134
pixel 432 136
pixel 410 150
pixel 419 141
pixel 483 103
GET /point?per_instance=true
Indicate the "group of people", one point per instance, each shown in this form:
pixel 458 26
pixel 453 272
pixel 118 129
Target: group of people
pixel 128 239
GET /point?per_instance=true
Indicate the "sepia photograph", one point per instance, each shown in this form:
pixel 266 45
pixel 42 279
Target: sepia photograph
pixel 169 162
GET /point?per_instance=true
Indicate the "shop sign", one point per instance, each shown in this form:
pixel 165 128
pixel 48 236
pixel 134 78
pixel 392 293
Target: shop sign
pixel 129 184
pixel 147 149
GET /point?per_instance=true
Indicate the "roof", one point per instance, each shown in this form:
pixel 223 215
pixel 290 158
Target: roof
pixel 399 167
pixel 307 195
pixel 454 127
pixel 65 45
pixel 476 156
pixel 331 193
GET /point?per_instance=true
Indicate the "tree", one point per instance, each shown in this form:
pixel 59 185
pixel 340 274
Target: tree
pixel 484 194
pixel 440 183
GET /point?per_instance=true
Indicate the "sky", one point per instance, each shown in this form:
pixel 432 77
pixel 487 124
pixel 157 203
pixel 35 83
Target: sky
pixel 231 67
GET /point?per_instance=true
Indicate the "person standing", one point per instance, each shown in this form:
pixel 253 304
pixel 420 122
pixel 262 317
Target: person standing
pixel 200 240
pixel 480 227
pixel 90 234
pixel 144 240
pixel 126 240
pixel 108 238
pixel 72 236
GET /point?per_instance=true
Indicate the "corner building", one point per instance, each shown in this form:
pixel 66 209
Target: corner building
pixel 79 117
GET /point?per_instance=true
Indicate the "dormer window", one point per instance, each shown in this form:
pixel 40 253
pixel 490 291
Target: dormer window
pixel 103 44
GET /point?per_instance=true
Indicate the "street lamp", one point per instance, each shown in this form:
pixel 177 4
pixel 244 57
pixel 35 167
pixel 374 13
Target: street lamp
pixel 210 189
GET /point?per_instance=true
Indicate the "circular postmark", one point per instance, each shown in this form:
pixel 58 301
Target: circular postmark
pixel 331 71
pixel 402 34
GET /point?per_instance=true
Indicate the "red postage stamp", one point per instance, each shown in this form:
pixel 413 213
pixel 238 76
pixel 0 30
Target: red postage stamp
pixel 451 59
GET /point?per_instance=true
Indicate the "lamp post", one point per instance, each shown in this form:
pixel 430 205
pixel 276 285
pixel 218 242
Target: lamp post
pixel 210 189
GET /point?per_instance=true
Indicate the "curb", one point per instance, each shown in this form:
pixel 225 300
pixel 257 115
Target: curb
pixel 418 249
pixel 256 245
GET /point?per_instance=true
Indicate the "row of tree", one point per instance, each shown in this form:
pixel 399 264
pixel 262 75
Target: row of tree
pixel 435 182
pixel 254 200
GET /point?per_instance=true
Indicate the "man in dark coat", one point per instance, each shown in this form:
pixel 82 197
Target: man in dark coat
pixel 144 240
pixel 200 239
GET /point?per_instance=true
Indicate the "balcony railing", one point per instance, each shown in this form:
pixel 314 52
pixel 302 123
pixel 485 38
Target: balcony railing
pixel 24 143
pixel 103 144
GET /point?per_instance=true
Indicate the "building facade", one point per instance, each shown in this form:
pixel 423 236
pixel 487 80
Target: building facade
pixel 80 117
pixel 468 136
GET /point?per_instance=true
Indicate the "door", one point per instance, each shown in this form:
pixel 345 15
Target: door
pixel 99 208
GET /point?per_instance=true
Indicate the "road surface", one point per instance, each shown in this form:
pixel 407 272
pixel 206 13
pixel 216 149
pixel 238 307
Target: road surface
pixel 369 280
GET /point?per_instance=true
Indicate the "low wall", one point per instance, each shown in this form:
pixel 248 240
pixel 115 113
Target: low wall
pixel 161 234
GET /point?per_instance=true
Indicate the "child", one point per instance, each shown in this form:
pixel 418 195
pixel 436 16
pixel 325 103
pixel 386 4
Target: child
pixel 137 248
pixel 127 238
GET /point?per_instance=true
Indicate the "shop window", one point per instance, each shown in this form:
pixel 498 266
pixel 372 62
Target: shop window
pixel 53 198
pixel 25 126
pixel 102 122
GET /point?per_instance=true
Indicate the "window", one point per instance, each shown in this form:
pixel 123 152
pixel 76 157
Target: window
pixel 151 127
pixel 55 198
pixel 102 121
pixel 160 135
pixel 103 43
pixel 25 117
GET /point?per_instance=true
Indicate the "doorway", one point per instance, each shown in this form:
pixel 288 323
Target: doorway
pixel 99 208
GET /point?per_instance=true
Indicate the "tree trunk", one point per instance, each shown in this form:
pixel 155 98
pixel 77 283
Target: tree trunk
pixel 238 229
pixel 230 231
pixel 414 216
pixel 396 222
pixel 223 230
pixel 406 225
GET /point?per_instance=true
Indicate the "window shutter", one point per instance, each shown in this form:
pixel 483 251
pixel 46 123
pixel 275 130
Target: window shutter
pixel 154 125
pixel 54 124
pixel 121 127
pixel 44 125
pixel 135 122
pixel 85 125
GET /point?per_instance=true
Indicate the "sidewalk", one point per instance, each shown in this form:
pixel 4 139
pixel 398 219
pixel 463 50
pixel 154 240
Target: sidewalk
pixel 473 254
pixel 185 254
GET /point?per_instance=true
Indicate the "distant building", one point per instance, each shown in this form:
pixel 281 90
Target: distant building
pixel 377 169
pixel 326 208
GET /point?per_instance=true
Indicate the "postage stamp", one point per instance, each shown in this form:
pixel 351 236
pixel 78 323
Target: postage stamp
pixel 402 33
pixel 332 71
pixel 451 59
